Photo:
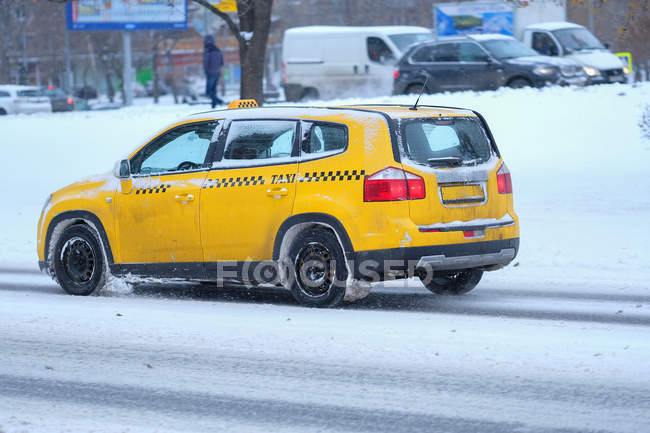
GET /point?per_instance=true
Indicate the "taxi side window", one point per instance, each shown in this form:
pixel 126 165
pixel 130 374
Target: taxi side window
pixel 260 140
pixel 322 139
pixel 182 149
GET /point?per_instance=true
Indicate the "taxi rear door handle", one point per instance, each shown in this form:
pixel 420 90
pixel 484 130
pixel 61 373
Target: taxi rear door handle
pixel 184 198
pixel 277 192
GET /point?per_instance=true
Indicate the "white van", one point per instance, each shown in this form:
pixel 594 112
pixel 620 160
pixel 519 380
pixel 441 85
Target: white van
pixel 324 62
pixel 575 42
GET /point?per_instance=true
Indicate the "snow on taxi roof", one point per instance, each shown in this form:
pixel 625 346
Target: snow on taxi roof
pixel 392 110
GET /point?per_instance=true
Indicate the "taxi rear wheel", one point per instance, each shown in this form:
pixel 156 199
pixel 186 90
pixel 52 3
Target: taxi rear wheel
pixel 318 272
pixel 457 283
pixel 78 261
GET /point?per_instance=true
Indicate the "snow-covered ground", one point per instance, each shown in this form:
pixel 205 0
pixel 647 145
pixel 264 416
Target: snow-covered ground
pixel 558 342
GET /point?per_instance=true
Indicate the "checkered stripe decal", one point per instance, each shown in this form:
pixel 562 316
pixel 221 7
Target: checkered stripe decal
pixel 154 189
pixel 234 181
pixel 247 103
pixel 324 176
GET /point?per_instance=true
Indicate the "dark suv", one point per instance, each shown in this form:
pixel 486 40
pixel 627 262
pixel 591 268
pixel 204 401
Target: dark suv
pixel 480 62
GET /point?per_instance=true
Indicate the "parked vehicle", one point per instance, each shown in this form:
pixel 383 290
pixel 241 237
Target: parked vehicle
pixel 320 201
pixel 573 41
pixel 480 62
pixel 329 61
pixel 59 99
pixel 16 99
pixel 85 92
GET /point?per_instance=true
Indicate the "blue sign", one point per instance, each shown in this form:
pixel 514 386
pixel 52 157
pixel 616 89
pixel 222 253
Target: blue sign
pixel 473 17
pixel 127 15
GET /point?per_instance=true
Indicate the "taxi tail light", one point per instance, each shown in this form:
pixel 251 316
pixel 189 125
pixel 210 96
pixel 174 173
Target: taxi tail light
pixel 284 73
pixel 69 101
pixel 393 184
pixel 504 181
pixel 395 74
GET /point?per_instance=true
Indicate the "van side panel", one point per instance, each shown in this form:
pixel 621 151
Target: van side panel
pixel 330 63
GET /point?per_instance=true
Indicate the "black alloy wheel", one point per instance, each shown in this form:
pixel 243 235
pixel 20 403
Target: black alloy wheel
pixel 319 271
pixel 78 261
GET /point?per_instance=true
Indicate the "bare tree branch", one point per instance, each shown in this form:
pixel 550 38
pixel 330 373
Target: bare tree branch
pixel 234 28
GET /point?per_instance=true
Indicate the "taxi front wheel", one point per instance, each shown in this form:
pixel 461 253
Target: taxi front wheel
pixel 456 283
pixel 318 273
pixel 79 261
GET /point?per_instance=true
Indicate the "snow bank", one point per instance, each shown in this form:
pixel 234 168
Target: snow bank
pixel 579 165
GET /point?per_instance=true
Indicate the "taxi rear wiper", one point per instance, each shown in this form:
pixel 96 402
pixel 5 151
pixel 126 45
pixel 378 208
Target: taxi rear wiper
pixel 447 161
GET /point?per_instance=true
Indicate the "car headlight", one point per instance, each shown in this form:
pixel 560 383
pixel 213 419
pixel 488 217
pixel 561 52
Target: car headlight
pixel 626 70
pixel 49 198
pixel 592 72
pixel 544 70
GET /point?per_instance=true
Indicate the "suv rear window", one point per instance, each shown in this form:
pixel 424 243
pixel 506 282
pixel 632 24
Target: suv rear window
pixel 446 141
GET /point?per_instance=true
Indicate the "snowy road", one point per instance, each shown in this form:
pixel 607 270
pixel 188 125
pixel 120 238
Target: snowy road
pixel 188 358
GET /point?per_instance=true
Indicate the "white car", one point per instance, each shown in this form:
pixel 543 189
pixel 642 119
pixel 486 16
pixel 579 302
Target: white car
pixel 16 99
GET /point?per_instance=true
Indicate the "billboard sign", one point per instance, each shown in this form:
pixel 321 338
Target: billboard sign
pixel 474 17
pixel 127 14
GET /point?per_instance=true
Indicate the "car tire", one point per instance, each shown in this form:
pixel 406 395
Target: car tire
pixel 414 89
pixel 3 112
pixel 78 261
pixel 317 271
pixel 457 283
pixel 309 94
pixel 519 83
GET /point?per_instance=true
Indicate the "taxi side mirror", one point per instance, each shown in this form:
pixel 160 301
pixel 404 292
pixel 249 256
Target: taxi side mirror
pixel 122 169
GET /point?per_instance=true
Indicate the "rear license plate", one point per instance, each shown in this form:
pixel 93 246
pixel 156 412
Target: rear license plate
pixel 462 194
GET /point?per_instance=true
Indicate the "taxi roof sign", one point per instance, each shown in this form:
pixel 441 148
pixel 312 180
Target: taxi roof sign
pixel 243 103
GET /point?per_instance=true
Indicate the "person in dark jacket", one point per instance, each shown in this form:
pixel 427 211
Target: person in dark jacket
pixel 212 63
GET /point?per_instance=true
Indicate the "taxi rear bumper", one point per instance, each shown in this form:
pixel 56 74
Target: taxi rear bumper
pixel 377 265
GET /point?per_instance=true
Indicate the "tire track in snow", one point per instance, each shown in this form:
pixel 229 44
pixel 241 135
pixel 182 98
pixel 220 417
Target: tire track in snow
pixel 529 304
pixel 265 411
pixel 321 375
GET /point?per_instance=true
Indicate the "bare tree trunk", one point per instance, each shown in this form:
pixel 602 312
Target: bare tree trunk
pixel 6 7
pixel 169 48
pixel 92 49
pixel 110 89
pixel 154 66
pixel 254 24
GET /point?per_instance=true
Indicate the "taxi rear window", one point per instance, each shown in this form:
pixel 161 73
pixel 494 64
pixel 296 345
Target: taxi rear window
pixel 445 142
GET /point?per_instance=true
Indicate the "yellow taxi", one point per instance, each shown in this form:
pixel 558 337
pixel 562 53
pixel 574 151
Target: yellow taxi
pixel 320 200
